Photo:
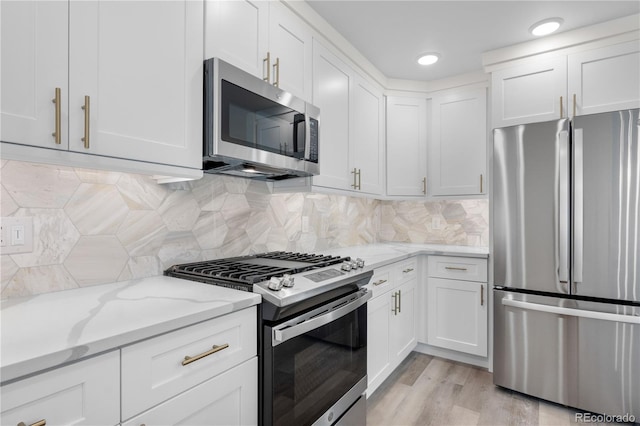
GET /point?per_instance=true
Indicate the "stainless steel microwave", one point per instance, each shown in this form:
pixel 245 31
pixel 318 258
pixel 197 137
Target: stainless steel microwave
pixel 254 129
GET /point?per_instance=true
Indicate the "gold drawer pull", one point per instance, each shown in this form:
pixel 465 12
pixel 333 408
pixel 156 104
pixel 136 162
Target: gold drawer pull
pixel 39 423
pixel 379 282
pixel 454 268
pixel 216 348
pixel 406 271
pixel 267 60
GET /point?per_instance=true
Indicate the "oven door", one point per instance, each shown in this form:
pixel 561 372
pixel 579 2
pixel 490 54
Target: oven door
pixel 315 365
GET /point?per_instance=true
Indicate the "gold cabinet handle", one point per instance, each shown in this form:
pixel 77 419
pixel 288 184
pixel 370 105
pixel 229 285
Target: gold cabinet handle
pixel 574 105
pixel 406 271
pixel 359 179
pixel 188 360
pixel 57 134
pixel 481 294
pixel 267 60
pixel 395 303
pixel 424 185
pixel 481 183
pixel 561 105
pixel 87 118
pixel 379 282
pixel 276 73
pixel 454 268
pixel 355 176
pixel 399 301
pixel 42 422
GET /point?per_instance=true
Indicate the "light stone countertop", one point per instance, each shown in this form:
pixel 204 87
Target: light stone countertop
pixel 52 329
pixel 48 330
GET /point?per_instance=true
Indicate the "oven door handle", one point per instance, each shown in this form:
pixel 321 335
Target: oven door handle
pixel 285 331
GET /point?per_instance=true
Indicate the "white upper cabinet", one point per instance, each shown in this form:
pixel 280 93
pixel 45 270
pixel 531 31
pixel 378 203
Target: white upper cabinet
pixel 605 79
pixel 332 81
pixel 351 153
pixel 406 146
pixel 530 93
pixel 264 38
pixel 132 88
pixel 587 82
pixel 141 79
pixel 34 63
pixel 366 157
pixel 457 149
pixel 235 32
pixel 290 41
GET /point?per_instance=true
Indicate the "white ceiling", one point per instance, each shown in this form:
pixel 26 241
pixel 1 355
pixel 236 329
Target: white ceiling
pixel 391 34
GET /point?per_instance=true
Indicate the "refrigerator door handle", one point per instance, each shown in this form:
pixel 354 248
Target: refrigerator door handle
pixel 578 205
pixel 562 237
pixel 605 316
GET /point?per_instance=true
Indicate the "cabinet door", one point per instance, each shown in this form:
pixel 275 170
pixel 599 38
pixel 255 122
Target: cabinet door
pixel 367 136
pixel 229 399
pixel 403 322
pixel 605 79
pixel 406 146
pixel 85 393
pixel 457 150
pixel 290 44
pixel 332 80
pixel 378 345
pixel 457 315
pixel 237 32
pixel 530 93
pixel 34 63
pixel 140 63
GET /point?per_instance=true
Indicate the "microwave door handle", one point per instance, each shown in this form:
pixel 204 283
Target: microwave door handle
pixel 297 122
pixel 287 333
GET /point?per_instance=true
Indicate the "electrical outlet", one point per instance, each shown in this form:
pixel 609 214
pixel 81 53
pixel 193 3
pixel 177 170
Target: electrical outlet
pixel 435 222
pixel 17 235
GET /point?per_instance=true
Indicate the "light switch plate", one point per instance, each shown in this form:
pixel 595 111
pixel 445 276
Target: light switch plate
pixel 17 235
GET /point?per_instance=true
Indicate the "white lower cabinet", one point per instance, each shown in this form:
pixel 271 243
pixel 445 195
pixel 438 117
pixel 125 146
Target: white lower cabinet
pixel 391 321
pixel 85 393
pixel 230 398
pixel 457 304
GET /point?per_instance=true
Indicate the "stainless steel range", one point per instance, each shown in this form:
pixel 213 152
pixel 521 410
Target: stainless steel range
pixel 313 322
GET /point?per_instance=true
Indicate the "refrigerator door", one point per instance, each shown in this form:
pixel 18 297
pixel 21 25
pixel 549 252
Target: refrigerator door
pixel 581 354
pixel 606 198
pixel 530 205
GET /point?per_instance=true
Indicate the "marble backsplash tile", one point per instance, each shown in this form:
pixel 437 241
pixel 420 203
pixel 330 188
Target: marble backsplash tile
pixel 93 227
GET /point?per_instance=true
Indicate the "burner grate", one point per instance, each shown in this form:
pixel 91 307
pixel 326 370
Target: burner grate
pixel 249 270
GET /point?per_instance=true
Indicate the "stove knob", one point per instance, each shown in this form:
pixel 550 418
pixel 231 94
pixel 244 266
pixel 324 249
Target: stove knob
pixel 288 280
pixel 275 283
pixel 346 266
pixel 360 263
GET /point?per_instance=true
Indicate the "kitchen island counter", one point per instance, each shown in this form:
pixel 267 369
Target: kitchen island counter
pixel 49 330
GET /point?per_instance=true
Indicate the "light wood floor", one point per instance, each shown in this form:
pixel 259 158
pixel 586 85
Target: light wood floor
pixel 426 390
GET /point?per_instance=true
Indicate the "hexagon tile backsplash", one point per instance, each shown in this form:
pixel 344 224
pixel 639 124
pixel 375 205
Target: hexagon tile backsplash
pixel 93 227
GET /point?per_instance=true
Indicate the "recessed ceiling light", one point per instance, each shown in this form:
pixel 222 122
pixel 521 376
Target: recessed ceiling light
pixel 428 58
pixel 546 26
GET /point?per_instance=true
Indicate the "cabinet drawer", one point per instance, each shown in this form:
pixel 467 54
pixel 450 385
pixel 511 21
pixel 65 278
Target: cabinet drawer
pixel 85 393
pixel 381 281
pixel 153 370
pixel 406 270
pixel 230 398
pixel 458 268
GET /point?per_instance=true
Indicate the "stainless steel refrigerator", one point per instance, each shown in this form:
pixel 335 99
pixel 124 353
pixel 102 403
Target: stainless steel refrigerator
pixel 566 261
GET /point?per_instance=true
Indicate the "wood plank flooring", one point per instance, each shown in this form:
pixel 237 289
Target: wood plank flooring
pixel 426 390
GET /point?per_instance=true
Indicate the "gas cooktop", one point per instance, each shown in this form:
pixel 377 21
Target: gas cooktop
pixel 281 277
